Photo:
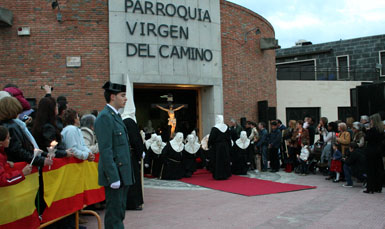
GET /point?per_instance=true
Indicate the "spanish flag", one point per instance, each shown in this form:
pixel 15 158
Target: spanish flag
pixel 69 185
pixel 17 202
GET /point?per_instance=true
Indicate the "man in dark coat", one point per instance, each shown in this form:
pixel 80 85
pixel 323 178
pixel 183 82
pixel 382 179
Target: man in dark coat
pixel 115 167
pixel 235 129
pixel 262 144
pixel 355 164
pixel 274 142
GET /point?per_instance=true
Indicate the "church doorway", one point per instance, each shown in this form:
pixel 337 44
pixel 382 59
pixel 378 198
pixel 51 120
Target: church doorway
pixel 149 99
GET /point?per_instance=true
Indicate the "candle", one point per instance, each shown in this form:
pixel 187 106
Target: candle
pixel 51 150
pixel 53 144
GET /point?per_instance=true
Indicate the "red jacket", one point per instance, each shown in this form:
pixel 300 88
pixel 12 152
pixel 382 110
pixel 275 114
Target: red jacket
pixel 8 177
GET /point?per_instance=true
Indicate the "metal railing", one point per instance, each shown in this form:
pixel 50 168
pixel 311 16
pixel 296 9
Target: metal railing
pixel 342 74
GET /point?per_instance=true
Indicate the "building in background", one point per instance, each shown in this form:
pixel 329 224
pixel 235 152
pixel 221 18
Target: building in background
pixel 316 79
pixel 213 56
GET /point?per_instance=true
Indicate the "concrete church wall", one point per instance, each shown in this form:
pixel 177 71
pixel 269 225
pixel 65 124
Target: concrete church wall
pixel 156 42
pixel 248 72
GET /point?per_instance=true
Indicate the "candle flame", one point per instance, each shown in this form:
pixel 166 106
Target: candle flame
pixel 53 143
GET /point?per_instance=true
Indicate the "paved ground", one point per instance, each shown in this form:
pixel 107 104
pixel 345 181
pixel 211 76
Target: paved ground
pixel 178 205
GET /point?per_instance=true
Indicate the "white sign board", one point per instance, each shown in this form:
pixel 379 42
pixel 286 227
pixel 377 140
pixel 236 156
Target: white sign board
pixel 166 41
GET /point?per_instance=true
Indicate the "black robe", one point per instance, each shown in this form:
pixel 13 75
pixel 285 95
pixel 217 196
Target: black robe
pixel 189 163
pixel 135 192
pixel 200 159
pixel 375 166
pixel 220 147
pixel 172 168
pixel 240 159
pixel 147 160
pixel 154 161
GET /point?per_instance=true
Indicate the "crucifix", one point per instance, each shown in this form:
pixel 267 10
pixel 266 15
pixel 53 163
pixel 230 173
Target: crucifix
pixel 171 112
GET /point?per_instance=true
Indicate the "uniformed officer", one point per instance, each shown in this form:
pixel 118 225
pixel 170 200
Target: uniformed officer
pixel 115 172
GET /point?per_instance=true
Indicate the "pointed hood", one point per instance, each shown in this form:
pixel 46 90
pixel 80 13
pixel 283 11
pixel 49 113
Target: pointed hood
pixel 129 109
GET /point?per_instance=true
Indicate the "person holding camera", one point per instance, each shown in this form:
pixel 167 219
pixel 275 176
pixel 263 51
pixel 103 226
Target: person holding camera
pixel 45 129
pixel 20 148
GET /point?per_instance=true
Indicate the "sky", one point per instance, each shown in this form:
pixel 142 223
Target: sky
pixel 320 21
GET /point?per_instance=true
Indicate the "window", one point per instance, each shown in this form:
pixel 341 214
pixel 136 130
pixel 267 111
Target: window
pixel 342 67
pixel 299 113
pixel 297 70
pixel 345 112
pixel 382 62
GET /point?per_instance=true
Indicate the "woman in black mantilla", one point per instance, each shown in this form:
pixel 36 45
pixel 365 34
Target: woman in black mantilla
pixel 148 158
pixel 220 148
pixel 190 153
pixel 154 156
pixel 241 155
pixel 172 168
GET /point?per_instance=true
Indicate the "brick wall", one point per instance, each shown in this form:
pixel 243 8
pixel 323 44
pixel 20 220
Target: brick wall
pixel 248 73
pixel 38 59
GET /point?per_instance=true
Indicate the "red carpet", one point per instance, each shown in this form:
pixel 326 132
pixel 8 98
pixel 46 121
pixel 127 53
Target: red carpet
pixel 242 185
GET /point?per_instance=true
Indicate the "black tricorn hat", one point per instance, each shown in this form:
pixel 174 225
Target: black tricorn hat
pixel 114 87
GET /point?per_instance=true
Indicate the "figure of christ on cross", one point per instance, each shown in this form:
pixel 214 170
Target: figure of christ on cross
pixel 171 117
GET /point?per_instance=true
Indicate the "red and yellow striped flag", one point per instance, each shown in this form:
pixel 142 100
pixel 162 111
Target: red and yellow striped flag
pixel 17 202
pixel 69 185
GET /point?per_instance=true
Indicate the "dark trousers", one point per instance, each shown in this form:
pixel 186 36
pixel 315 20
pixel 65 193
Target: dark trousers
pixel 303 166
pixel 274 159
pixel 115 207
pixel 135 192
pixel 348 174
pixel 264 156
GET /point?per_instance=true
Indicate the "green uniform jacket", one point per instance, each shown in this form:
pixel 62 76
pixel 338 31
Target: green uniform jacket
pixel 114 149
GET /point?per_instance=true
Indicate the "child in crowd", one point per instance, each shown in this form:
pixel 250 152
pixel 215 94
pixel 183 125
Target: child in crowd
pixel 336 165
pixel 13 177
pixel 303 157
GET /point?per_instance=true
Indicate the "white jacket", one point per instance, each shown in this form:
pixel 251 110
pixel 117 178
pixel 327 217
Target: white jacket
pixel 305 152
pixel 73 139
pixel 90 139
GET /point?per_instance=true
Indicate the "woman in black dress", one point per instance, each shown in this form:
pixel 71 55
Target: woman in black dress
pixel 241 155
pixel 375 166
pixel 172 168
pixel 154 156
pixel 220 147
pixel 190 154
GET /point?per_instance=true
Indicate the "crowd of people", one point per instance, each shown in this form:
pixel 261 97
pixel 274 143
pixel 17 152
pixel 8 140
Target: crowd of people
pixel 343 150
pixel 36 136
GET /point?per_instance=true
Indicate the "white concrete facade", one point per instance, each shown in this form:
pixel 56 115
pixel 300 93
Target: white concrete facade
pixel 327 95
pixel 154 67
